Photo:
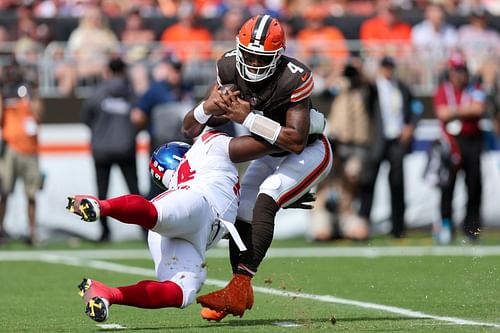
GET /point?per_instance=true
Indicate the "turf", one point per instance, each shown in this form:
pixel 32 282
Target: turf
pixel 42 297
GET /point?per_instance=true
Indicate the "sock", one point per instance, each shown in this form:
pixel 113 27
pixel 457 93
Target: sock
pixel 149 295
pixel 130 209
pixel 245 232
pixel 262 234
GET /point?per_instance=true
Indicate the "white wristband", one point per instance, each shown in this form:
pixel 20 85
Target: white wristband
pixel 263 127
pixel 200 115
pixel 248 122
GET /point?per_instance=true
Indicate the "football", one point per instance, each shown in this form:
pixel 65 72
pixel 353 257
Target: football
pixel 226 88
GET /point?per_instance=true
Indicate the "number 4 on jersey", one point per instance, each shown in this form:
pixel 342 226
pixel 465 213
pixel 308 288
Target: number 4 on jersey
pixel 294 68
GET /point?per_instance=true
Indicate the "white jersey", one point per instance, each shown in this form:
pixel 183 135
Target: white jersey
pixel 206 167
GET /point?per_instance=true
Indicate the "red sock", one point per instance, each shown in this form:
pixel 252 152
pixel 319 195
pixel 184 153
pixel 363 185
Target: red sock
pixel 148 294
pixel 130 209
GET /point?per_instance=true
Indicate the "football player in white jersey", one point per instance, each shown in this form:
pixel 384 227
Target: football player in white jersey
pixel 197 209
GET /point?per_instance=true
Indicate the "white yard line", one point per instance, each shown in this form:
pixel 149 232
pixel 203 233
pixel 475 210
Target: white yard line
pixel 109 266
pixel 111 326
pixel 309 252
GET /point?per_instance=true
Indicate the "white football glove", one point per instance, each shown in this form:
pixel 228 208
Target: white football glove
pixel 317 122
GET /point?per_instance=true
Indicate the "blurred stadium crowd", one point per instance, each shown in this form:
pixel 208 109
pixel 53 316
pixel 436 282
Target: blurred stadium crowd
pixel 64 46
pixel 68 42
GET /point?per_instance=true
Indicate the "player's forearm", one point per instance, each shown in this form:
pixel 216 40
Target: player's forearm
pixel 191 128
pixel 246 148
pixel 291 140
pixel 472 110
pixel 446 114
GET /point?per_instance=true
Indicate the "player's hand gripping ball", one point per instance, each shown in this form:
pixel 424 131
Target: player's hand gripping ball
pixel 227 88
pixel 211 106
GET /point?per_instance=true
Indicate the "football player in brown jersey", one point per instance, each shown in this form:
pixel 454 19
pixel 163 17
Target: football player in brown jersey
pixel 271 98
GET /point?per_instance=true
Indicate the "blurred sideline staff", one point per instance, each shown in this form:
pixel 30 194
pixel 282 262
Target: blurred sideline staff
pixel 335 213
pixel 107 114
pixel 20 115
pixel 394 113
pixel 459 105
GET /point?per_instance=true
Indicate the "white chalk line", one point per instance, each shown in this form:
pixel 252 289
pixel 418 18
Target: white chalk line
pixel 109 266
pixel 309 252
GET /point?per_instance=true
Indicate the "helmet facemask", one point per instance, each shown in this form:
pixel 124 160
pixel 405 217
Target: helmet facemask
pixel 255 65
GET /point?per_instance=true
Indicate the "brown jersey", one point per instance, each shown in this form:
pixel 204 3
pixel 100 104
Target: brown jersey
pixel 291 83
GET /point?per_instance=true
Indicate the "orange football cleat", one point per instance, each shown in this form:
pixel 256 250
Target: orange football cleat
pixel 212 315
pixel 233 299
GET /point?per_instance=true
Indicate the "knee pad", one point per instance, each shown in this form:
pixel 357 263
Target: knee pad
pixel 271 186
pixel 190 284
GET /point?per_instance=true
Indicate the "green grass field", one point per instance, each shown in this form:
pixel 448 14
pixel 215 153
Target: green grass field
pixel 298 289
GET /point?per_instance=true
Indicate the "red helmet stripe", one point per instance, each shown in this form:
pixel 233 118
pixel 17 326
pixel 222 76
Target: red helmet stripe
pixel 155 169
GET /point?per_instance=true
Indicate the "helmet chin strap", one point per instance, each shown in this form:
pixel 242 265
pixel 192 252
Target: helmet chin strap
pixel 253 76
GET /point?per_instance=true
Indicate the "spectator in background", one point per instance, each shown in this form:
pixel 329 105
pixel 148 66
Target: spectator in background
pixel 4 35
pixel 432 41
pixel 225 34
pixel 76 8
pixel 148 8
pixel 28 29
pixel 261 7
pixel 459 105
pixel 493 6
pixel 186 37
pixel 336 7
pixel 480 45
pixel 210 8
pixel 91 44
pixel 112 8
pixel 386 33
pixel 349 130
pixel 321 43
pixel 137 39
pixel 433 37
pixel 20 116
pixel 135 32
pixel 107 113
pixel 231 23
pixel 393 121
pixel 47 8
pixel 162 107
pixel 360 7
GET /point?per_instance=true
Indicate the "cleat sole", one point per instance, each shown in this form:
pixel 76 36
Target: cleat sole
pixel 97 310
